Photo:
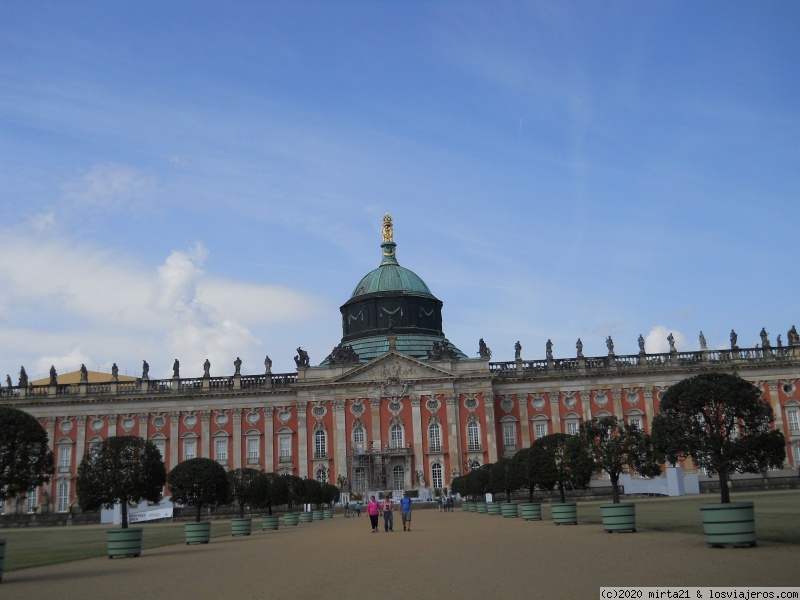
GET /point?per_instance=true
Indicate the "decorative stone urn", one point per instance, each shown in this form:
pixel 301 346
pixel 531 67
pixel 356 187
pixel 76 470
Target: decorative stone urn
pixel 618 517
pixel 124 542
pixel 733 523
pixel 197 532
pixel 565 513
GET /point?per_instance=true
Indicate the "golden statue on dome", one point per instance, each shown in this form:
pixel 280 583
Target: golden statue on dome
pixel 388 229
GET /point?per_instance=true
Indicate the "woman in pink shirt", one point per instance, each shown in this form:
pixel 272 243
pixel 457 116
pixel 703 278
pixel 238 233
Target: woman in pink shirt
pixel 373 510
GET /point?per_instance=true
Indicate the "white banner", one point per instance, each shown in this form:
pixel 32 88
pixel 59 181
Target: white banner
pixel 150 515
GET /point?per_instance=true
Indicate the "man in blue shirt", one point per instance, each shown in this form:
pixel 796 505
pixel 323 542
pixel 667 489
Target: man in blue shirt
pixel 405 510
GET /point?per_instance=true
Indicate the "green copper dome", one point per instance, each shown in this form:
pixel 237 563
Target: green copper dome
pixel 391 277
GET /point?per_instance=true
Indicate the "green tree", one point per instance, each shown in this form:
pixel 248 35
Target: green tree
pixel 296 490
pixel 330 493
pixel 618 446
pixel 530 461
pixel 198 482
pixel 241 487
pixel 506 476
pixel 565 462
pixel 722 422
pixel 312 492
pixel 121 469
pixel 26 460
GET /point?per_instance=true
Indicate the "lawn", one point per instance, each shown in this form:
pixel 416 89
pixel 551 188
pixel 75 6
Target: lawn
pixel 777 520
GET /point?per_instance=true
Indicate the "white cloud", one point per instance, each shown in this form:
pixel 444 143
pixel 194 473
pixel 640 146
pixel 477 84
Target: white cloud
pixel 656 341
pixel 69 361
pixel 43 221
pixel 111 186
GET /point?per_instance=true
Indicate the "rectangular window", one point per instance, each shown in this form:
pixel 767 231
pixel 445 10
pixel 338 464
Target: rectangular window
pixel 189 449
pixel 64 458
pixel 540 430
pixel 473 437
pixel 162 449
pixel 510 436
pixel 434 441
pixel 285 451
pixel 437 476
pixel 397 437
pixel 796 454
pixel 63 496
pixel 222 450
pixel 572 428
pixel 793 417
pixel 635 422
pixel 252 450
pixel 33 500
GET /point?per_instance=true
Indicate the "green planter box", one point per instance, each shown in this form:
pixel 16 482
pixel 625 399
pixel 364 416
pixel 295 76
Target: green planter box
pixel 565 514
pixel 317 515
pixel 481 507
pixel 467 506
pixel 328 512
pixel 124 542
pixel 493 508
pixel 241 526
pixel 269 522
pixel 291 519
pixel 729 524
pixel 618 517
pixel 2 557
pixel 531 511
pixel 306 517
pixel 509 510
pixel 197 532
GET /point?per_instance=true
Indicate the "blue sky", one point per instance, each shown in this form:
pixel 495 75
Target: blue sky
pixel 207 179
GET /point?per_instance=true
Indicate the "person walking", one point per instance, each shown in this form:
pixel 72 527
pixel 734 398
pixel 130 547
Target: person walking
pixel 358 508
pixel 373 510
pixel 405 511
pixel 388 514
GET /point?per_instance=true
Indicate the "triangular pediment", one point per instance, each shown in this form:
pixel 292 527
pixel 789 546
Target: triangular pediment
pixel 393 366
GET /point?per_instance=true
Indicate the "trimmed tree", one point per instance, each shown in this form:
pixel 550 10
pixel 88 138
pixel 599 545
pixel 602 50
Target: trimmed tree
pixel 618 446
pixel 330 494
pixel 120 470
pixel 722 422
pixel 198 482
pixel 506 476
pixel 242 488
pixel 565 462
pixel 26 460
pixel 529 460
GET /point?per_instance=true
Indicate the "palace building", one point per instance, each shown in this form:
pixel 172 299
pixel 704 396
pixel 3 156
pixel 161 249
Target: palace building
pixel 395 406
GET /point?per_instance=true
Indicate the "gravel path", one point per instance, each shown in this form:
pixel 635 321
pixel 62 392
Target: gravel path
pixel 447 555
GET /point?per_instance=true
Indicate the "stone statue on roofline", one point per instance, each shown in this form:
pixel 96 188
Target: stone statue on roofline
pixel 734 339
pixel 343 355
pixel 145 370
pixel 388 229
pixel 176 368
pixel 114 372
pixel 53 375
pixel 207 369
pixel 671 340
pixel 23 378
pixel 792 337
pixel 764 338
pixel 517 351
pixel 610 345
pixel 237 366
pixel 548 348
pixel 267 365
pixel 8 381
pixel 483 350
pixel 641 344
pixel 703 345
pixel 302 359
pixel 579 348
pixel 84 374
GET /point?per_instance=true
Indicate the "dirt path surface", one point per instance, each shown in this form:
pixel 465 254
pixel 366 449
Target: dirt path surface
pixel 447 555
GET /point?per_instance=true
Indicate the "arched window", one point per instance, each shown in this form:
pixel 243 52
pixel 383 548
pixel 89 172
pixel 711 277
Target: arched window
pixel 398 478
pixel 33 499
pixel 434 438
pixel 359 439
pixel 320 444
pixel 396 437
pixel 321 474
pixel 360 480
pixel 63 496
pixel 473 436
pixel 436 476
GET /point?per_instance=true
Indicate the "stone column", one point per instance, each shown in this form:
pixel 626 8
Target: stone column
pixel 112 425
pixel 80 442
pixel 416 422
pixel 302 439
pixel 649 406
pixel 236 413
pixel 453 436
pixel 619 412
pixel 269 439
pixel 555 411
pixel 50 423
pixel 774 400
pixel 143 419
pixel 586 405
pixel 524 423
pixel 174 439
pixel 491 431
pixel 375 414
pixel 205 434
pixel 339 441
